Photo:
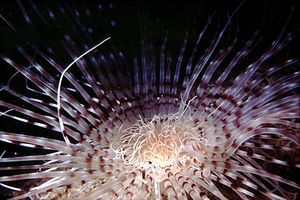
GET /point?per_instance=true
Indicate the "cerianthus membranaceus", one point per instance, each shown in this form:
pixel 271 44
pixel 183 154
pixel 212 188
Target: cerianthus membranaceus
pixel 195 101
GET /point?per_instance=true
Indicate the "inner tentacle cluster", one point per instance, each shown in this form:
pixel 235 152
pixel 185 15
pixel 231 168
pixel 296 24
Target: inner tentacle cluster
pixel 163 141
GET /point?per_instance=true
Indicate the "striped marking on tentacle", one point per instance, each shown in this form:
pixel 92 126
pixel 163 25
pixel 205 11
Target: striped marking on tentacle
pixel 68 98
pixel 137 187
pixel 222 152
pixel 207 56
pixel 268 119
pixel 44 143
pixel 262 186
pixel 276 46
pixel 237 111
pixel 258 186
pixel 80 163
pixel 50 92
pixel 248 169
pixel 187 86
pixel 239 181
pixel 162 66
pixel 82 92
pixel 64 173
pixel 275 142
pixel 266 89
pixel 259 77
pixel 193 190
pixel 50 123
pixel 240 55
pixel 173 186
pixel 281 86
pixel 48 120
pixel 174 90
pixel 223 179
pixel 191 58
pixel 95 87
pixel 200 182
pixel 211 68
pixel 144 80
pixel 102 157
pixel 266 158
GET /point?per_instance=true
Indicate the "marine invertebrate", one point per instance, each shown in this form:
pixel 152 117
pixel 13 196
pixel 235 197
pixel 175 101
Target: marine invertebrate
pixel 193 127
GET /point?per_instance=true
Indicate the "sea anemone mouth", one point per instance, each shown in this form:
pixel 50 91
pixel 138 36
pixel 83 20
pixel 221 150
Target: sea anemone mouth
pixel 169 141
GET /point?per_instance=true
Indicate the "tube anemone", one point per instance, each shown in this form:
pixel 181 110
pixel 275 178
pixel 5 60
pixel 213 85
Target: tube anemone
pixel 216 118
